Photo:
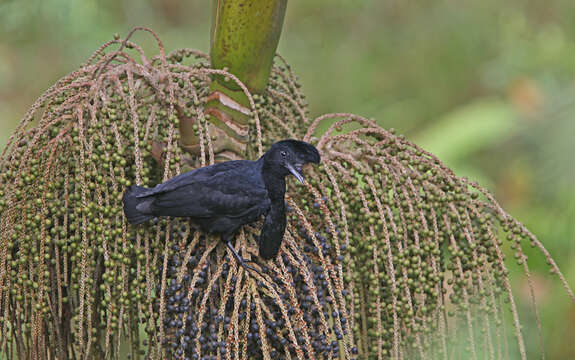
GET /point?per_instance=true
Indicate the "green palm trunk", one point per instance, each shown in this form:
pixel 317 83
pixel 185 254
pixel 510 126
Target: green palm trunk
pixel 244 39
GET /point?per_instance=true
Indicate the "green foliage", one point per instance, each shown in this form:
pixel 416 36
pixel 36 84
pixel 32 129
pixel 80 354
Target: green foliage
pixel 468 129
pixel 388 253
pixel 405 64
pixel 476 127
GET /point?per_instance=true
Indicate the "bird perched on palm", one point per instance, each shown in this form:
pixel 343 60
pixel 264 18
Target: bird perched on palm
pixel 221 198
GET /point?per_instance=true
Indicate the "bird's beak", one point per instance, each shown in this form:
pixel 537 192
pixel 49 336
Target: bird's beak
pixel 295 173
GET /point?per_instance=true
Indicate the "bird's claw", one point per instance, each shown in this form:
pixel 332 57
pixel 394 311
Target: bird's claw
pixel 243 262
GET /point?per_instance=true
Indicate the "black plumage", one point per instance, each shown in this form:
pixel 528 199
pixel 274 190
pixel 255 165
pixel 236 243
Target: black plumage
pixel 221 198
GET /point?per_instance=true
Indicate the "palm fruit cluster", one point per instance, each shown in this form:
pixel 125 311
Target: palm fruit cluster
pixel 387 254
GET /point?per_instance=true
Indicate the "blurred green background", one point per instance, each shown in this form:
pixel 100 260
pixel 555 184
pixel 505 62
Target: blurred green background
pixel 488 86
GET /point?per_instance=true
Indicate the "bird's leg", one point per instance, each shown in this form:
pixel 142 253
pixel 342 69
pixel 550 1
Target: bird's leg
pixel 240 260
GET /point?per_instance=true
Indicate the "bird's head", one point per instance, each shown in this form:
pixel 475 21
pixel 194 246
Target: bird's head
pixel 289 156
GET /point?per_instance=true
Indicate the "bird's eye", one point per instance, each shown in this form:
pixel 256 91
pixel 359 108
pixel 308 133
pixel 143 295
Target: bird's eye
pixel 284 154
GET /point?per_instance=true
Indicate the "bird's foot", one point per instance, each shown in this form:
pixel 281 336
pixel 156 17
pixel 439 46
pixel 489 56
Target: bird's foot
pixel 243 262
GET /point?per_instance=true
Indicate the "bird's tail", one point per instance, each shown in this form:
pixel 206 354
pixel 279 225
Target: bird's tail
pixel 131 202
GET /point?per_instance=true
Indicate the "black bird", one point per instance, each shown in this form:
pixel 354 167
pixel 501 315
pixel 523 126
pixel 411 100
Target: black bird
pixel 221 198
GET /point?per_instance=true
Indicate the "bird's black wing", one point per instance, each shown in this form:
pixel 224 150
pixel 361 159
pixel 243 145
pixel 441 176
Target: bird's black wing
pixel 229 189
pixel 202 200
pixel 200 175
